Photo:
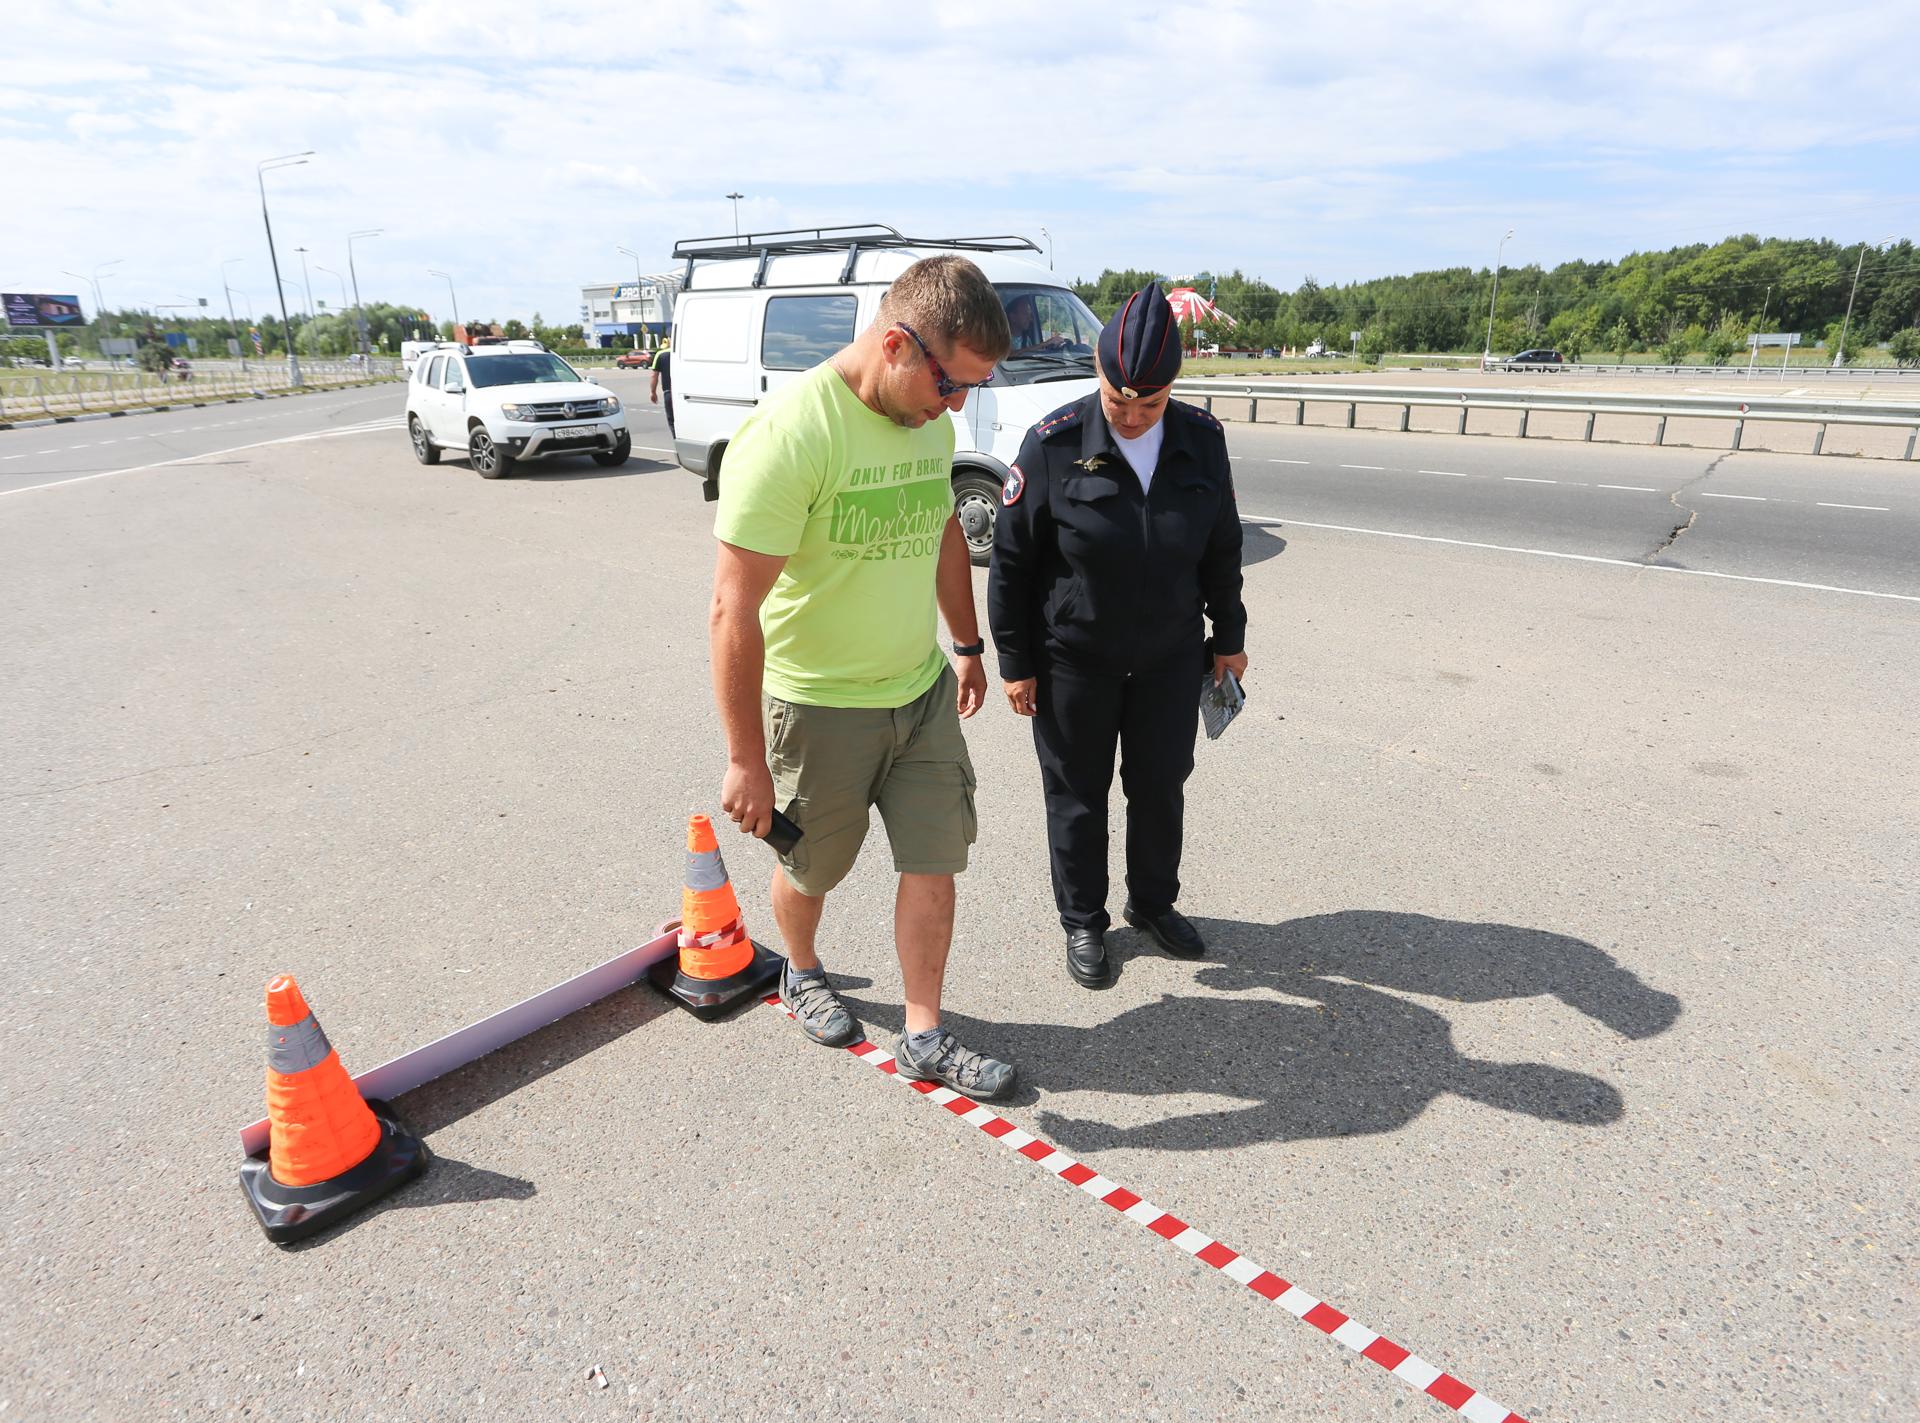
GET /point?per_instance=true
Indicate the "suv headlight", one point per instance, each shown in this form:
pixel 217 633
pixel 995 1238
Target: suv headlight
pixel 517 412
pixel 613 405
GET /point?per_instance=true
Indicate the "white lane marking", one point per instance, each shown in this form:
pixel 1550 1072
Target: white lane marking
pixel 1449 473
pixel 1582 558
pixel 1749 498
pixel 1376 468
pixel 46 452
pixel 1524 479
pixel 1632 488
pixel 1274 461
pixel 652 450
pixel 1870 508
pixel 184 459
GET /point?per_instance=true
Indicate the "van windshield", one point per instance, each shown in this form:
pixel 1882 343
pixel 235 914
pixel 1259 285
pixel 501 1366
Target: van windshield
pixel 533 368
pixel 1054 334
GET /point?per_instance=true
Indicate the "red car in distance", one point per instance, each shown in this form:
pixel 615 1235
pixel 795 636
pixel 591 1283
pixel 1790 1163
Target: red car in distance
pixel 627 360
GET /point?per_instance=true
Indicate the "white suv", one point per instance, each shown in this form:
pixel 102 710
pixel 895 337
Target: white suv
pixel 507 402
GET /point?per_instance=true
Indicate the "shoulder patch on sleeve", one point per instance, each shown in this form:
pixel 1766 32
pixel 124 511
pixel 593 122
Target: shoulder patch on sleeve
pixel 1015 486
pixel 1065 418
pixel 1196 414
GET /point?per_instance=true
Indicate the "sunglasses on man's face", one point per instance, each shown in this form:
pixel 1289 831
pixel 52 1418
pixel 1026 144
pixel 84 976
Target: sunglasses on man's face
pixel 942 382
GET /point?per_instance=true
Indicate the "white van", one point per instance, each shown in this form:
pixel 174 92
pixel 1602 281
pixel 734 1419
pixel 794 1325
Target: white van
pixel 758 310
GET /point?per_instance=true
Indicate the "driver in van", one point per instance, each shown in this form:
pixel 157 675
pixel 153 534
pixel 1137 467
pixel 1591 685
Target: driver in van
pixel 1023 320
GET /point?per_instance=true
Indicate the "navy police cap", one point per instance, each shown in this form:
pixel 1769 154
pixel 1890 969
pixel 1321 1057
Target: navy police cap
pixel 1140 347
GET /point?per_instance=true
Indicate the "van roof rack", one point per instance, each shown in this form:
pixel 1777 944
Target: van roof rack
pixel 863 237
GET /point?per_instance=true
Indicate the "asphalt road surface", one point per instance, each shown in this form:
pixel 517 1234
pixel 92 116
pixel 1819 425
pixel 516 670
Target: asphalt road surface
pixel 1555 1024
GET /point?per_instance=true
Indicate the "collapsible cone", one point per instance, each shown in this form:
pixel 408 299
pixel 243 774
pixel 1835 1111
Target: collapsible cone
pixel 331 1151
pixel 718 965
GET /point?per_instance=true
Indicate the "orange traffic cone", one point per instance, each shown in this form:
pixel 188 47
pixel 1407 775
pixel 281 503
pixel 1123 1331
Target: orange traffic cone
pixel 718 965
pixel 330 1151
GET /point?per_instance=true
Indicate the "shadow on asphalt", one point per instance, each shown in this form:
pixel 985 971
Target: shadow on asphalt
pixel 1258 544
pixel 459 1094
pixel 1320 1044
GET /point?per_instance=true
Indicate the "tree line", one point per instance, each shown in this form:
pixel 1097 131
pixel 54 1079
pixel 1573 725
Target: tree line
pixel 324 334
pixel 1693 300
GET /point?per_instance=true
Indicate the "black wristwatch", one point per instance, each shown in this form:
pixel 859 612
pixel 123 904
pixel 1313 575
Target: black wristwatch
pixel 969 649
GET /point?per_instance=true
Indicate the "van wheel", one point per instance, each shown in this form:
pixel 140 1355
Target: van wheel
pixel 423 446
pixel 976 503
pixel 489 459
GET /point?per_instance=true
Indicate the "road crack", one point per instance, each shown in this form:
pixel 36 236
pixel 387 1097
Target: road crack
pixel 1692 514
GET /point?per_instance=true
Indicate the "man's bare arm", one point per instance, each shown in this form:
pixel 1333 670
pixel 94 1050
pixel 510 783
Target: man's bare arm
pixel 741 581
pixel 953 588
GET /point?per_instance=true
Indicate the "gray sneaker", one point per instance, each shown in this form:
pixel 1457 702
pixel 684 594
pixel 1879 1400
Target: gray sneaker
pixel 970 1073
pixel 819 1011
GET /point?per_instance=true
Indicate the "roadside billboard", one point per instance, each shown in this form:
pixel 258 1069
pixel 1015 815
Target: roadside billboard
pixel 36 311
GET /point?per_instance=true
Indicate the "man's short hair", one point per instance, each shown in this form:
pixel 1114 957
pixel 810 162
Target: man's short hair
pixel 949 299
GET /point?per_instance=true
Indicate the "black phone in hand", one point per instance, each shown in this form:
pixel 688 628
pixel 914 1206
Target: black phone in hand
pixel 783 834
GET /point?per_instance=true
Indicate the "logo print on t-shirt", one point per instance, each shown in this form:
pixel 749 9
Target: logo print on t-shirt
pixel 894 520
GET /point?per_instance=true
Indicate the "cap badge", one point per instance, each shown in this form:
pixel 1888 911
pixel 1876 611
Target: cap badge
pixel 1129 392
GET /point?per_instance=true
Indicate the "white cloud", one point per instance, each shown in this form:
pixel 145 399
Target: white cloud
pixel 518 145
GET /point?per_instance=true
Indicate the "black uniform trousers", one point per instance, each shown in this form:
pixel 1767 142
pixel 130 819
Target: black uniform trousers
pixel 1080 717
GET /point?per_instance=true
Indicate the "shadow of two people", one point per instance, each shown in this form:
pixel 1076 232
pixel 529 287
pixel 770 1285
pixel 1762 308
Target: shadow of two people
pixel 1337 1052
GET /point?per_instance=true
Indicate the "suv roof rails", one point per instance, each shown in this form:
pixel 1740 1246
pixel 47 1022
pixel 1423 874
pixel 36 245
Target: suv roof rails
pixel 864 237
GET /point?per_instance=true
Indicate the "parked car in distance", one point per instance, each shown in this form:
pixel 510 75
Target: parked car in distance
pixel 1317 348
pixel 627 360
pixel 71 361
pixel 1539 359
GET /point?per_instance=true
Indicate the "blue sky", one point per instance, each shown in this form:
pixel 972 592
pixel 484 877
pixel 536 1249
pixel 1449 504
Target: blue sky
pixel 517 145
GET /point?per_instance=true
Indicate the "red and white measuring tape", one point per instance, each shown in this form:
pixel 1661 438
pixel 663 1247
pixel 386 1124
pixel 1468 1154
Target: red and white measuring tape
pixel 1403 1364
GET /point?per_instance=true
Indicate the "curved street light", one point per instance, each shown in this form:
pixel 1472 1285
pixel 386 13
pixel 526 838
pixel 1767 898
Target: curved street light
pixel 1840 356
pixel 1487 354
pixel 735 197
pixel 338 278
pixel 360 316
pixel 285 160
pixel 436 272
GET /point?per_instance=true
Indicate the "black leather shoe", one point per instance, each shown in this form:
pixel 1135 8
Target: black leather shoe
pixel 1087 958
pixel 1170 928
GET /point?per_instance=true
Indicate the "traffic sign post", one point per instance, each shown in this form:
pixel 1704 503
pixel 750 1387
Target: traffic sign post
pixel 1785 340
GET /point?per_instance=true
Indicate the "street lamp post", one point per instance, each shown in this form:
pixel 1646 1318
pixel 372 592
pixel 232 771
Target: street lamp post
pixel 638 281
pixel 736 211
pixel 1486 356
pixel 307 283
pixel 338 278
pixel 436 272
pixel 1049 236
pixel 239 339
pixel 359 313
pixel 286 160
pixel 98 298
pixel 1840 356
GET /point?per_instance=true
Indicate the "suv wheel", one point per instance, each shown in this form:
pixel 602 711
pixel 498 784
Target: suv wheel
pixel 976 503
pixel 489 459
pixel 423 446
pixel 609 459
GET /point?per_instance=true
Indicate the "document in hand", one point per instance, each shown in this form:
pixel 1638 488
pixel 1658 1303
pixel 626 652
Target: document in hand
pixel 1220 702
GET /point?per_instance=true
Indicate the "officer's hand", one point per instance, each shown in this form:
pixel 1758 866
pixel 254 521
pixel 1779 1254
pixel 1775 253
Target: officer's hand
pixel 973 686
pixel 1020 695
pixel 746 795
pixel 1236 663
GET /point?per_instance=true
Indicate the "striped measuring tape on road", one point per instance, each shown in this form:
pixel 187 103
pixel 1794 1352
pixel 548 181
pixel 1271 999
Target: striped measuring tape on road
pixel 1402 1363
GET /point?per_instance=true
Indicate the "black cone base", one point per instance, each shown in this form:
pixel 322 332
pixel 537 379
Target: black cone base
pixel 290 1213
pixel 710 998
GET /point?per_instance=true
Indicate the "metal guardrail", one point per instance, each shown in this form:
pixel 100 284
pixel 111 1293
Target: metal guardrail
pixel 83 392
pixel 1592 404
pixel 1735 372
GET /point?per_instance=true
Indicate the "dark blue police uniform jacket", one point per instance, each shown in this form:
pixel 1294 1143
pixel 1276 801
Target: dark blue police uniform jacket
pixel 1090 569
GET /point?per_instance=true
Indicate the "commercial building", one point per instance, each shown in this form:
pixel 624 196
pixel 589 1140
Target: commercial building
pixel 637 313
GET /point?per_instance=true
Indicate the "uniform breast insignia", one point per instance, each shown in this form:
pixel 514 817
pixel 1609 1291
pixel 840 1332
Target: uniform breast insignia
pixel 1015 486
pixel 1090 463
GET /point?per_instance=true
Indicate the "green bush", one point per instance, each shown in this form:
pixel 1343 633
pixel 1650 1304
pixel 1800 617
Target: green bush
pixel 1905 347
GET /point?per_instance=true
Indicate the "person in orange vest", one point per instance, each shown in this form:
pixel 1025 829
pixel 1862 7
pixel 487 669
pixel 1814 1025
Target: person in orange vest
pixel 837 542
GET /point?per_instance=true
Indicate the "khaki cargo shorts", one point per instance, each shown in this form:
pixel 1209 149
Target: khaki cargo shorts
pixel 831 765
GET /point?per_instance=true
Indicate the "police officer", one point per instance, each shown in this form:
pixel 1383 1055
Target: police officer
pixel 1118 535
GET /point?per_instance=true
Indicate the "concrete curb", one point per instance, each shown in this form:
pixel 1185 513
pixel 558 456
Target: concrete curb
pixel 187 405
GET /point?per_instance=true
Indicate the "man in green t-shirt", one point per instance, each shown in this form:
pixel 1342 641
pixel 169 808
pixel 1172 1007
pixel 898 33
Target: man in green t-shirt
pixel 837 542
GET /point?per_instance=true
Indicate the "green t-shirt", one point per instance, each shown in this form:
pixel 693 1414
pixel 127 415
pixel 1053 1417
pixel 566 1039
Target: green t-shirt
pixel 857 505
